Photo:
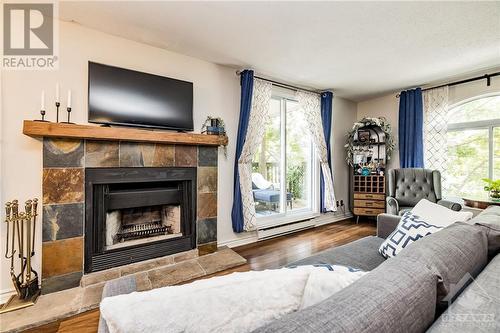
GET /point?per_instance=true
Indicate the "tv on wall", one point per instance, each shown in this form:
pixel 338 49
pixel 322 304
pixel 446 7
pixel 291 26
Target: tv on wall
pixel 125 97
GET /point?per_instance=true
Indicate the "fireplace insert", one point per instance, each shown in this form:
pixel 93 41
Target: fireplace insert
pixel 135 214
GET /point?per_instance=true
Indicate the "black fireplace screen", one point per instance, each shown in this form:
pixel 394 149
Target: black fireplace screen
pixel 134 214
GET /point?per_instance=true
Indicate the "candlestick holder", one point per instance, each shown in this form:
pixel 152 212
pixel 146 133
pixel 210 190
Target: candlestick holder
pixel 42 113
pixel 68 109
pixel 57 111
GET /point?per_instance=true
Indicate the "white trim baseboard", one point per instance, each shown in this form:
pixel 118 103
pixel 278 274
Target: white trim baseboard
pixel 285 229
pixel 328 218
pixel 239 241
pixel 323 219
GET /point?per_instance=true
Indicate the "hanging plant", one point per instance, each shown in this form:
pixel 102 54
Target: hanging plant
pixel 380 122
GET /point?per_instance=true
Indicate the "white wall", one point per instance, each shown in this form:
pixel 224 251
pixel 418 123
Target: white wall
pixel 463 92
pixel 388 106
pixel 343 117
pixel 216 92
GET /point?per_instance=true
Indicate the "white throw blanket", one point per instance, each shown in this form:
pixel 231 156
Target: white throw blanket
pixel 239 302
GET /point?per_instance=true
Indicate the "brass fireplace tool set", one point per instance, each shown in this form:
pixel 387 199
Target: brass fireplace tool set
pixel 20 239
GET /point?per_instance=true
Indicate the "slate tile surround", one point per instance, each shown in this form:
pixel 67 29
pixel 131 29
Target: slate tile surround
pixel 61 221
pixel 64 163
pixel 146 155
pixel 62 257
pixel 61 282
pixel 62 185
pixel 207 230
pixel 186 156
pixel 102 154
pixel 207 156
pixel 207 248
pixel 207 205
pixel 207 179
pixel 62 153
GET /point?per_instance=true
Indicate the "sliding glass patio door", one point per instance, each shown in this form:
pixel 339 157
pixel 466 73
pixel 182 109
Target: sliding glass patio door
pixel 285 171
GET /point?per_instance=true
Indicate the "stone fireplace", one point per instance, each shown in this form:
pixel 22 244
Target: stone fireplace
pixel 111 203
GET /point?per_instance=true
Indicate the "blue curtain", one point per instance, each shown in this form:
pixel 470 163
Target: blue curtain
pixel 246 82
pixel 411 114
pixel 326 117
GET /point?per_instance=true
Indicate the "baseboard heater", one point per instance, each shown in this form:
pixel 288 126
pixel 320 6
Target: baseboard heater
pixel 284 229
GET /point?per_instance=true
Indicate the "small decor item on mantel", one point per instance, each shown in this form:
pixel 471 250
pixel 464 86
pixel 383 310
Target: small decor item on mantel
pixel 68 108
pixel 214 126
pixel 20 242
pixel 42 107
pixel 57 103
pixel 493 188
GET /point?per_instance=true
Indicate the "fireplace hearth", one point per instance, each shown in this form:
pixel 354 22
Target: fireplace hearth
pixel 135 214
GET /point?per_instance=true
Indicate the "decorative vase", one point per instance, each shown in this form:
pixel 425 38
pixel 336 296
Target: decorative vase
pixel 494 195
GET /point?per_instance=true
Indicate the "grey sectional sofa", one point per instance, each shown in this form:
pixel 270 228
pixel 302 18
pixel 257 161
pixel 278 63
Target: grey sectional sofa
pixel 445 282
pixel 458 266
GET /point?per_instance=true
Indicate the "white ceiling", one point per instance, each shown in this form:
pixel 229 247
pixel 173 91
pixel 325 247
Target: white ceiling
pixel 358 49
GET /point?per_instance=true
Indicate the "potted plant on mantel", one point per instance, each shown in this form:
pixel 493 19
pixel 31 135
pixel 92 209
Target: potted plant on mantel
pixel 214 126
pixel 493 188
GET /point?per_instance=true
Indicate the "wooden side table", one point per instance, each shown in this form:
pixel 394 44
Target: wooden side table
pixel 479 202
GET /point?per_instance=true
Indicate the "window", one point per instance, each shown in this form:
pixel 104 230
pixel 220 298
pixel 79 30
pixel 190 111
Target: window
pixel 285 171
pixel 473 140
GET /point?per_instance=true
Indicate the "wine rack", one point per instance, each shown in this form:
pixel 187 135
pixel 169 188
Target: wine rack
pixel 369 195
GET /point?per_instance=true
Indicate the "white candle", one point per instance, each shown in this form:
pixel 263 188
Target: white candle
pixel 57 93
pixel 69 98
pixel 42 102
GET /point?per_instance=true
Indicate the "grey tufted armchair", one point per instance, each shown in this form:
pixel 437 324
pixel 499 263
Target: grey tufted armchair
pixel 406 187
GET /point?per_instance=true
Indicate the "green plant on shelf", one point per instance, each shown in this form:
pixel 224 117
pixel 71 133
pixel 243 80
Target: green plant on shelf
pixel 493 187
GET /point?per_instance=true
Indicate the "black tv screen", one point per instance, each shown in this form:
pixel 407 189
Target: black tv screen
pixel 126 97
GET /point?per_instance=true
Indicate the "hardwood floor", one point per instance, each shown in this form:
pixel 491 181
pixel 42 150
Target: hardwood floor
pixel 272 253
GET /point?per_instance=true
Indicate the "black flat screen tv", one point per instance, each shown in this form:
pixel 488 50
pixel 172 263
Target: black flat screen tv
pixel 125 97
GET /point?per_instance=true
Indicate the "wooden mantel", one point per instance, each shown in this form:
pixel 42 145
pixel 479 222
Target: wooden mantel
pixel 39 129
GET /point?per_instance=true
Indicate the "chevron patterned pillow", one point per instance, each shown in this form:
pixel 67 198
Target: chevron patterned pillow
pixel 410 229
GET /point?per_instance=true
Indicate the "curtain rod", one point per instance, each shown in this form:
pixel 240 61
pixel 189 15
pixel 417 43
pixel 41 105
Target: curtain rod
pixel 282 85
pixel 486 77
